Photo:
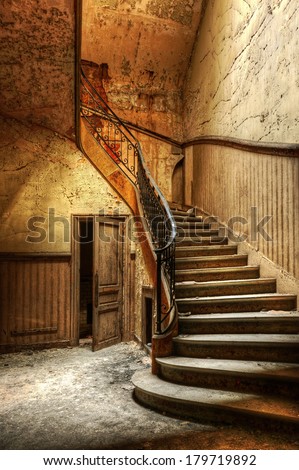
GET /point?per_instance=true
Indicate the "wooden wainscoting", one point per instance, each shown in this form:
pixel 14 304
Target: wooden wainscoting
pixel 35 301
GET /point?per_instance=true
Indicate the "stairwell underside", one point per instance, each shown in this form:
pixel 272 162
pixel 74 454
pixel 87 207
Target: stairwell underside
pixel 236 358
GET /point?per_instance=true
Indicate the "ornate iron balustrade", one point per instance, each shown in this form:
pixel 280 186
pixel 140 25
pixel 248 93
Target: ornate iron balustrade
pixel 120 144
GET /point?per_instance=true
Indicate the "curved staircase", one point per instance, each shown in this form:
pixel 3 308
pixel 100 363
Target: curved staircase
pixel 236 357
pixel 237 353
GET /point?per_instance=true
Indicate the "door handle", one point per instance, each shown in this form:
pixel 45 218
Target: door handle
pixel 96 290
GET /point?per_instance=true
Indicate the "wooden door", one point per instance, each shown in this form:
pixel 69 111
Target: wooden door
pixel 108 282
pixel 178 182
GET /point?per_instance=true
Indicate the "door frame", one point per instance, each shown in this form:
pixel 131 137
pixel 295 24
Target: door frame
pixel 128 288
pixel 147 293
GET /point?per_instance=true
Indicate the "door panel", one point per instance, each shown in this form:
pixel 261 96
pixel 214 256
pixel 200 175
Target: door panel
pixel 108 282
pixel 35 300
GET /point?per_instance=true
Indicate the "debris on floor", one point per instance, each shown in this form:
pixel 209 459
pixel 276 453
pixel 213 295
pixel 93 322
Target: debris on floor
pixel 73 398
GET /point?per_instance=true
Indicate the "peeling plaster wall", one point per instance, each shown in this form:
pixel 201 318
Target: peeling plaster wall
pixel 160 161
pixel 243 81
pixel 146 45
pixel 44 180
pixel 157 153
pixel 42 171
pixel 37 62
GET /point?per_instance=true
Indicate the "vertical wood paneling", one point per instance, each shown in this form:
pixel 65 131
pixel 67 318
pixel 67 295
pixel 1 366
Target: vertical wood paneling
pixel 4 288
pixel 296 215
pixel 286 217
pixel 229 182
pixel 34 300
pixel 279 212
pixel 270 207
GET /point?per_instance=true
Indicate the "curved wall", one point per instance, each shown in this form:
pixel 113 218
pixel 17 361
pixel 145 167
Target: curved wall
pixel 243 80
pixel 241 119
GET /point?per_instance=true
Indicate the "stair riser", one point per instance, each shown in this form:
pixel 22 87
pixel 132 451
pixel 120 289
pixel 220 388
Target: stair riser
pixel 192 219
pixel 284 353
pixel 217 276
pixel 198 291
pixel 212 413
pixel 209 262
pixel 229 306
pixel 238 327
pixel 216 251
pixel 196 233
pixel 228 381
pixel 201 241
pixel 193 226
pixel 182 216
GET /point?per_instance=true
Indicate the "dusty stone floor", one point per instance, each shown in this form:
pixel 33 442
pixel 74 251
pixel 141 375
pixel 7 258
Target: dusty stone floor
pixel 75 399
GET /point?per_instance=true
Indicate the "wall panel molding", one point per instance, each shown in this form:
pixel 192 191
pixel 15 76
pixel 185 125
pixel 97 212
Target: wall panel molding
pixel 266 148
pixel 35 301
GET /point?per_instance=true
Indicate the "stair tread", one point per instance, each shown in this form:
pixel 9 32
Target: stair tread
pixel 261 338
pixel 210 258
pixel 236 298
pixel 184 215
pixel 260 280
pixel 279 370
pixel 199 231
pixel 179 212
pixel 220 269
pixel 201 241
pixel 205 234
pixel 205 248
pixel 243 316
pixel 249 403
pixel 192 223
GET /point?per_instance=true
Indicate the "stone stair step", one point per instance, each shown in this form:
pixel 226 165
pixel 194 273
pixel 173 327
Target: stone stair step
pixel 180 206
pixel 211 262
pixel 217 274
pixel 195 233
pixel 239 323
pixel 195 251
pixel 213 405
pixel 225 374
pixel 193 225
pixel 201 241
pixel 183 213
pixel 235 287
pixel 188 218
pixel 247 347
pixel 238 303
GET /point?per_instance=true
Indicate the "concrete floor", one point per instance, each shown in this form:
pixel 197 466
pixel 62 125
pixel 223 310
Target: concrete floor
pixel 75 399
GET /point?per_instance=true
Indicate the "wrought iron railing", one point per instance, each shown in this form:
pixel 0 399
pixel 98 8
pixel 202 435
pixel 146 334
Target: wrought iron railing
pixel 120 144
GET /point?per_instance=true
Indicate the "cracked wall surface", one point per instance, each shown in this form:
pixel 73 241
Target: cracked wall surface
pixel 146 45
pixel 160 161
pixel 37 57
pixel 42 171
pixel 243 81
pixel 44 180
